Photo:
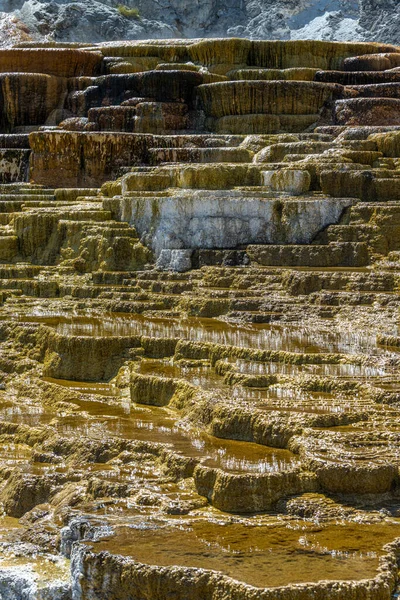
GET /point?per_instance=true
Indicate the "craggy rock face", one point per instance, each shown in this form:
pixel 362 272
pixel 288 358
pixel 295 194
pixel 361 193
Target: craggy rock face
pixel 93 21
pixel 199 319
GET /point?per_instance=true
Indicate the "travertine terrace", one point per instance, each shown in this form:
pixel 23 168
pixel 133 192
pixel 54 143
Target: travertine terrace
pixel 199 321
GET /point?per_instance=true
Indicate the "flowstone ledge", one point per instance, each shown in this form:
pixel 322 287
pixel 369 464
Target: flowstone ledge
pixel 199 320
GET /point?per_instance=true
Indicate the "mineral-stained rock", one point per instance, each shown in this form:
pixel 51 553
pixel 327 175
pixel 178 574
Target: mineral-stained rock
pixel 294 73
pixel 208 220
pixel 28 99
pixel 225 490
pixel 262 123
pixel 51 61
pixel 161 86
pixel 380 90
pixel 175 260
pixel 113 118
pixel 255 97
pixel 286 180
pixel 100 156
pixel 14 164
pixel 357 77
pixel 309 53
pixel 372 62
pixel 23 492
pixel 199 281
pixel 158 117
pixel 368 111
pixel 66 358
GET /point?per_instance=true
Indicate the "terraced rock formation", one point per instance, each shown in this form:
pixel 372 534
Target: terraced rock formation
pixel 199 321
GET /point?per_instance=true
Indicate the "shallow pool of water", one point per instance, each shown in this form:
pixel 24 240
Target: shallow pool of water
pixel 259 555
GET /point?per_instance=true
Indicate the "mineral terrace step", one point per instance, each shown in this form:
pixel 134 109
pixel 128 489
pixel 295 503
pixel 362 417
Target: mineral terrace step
pixel 24 188
pixel 8 248
pixel 94 215
pixel 113 278
pixel 254 316
pixel 350 233
pixel 199 155
pixel 332 255
pixel 197 140
pixel 7 206
pixel 258 347
pixel 30 197
pixel 71 194
pixel 307 282
pixel 344 298
pixel 19 271
pixel 361 185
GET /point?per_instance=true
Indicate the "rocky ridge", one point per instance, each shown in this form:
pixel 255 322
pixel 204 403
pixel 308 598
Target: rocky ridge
pixel 97 21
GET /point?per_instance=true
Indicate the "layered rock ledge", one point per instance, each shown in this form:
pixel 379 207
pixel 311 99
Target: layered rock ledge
pixel 199 321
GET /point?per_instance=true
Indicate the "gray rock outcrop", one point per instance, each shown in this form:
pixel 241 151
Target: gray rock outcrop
pixel 107 20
